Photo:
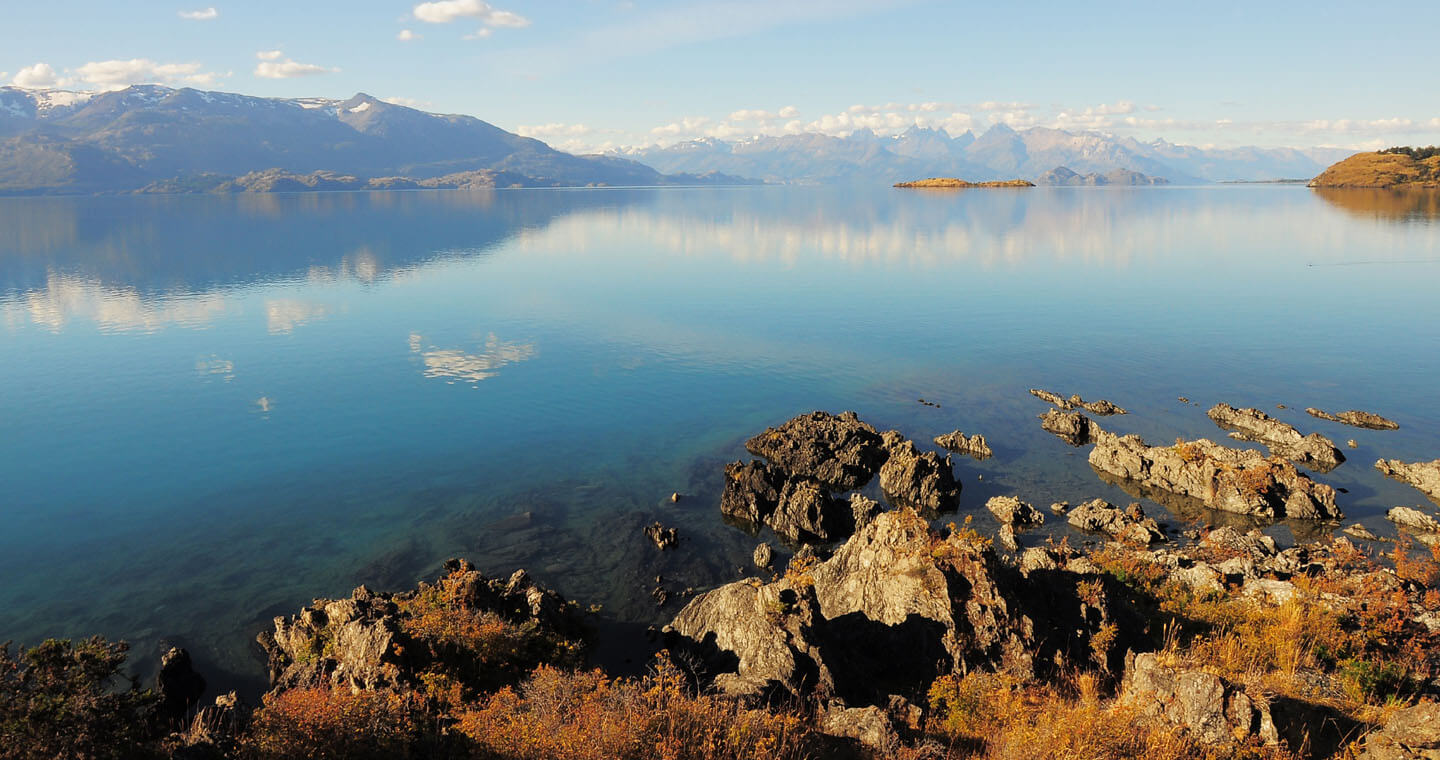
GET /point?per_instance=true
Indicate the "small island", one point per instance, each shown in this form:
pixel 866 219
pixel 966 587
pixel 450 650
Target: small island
pixel 952 182
pixel 1392 168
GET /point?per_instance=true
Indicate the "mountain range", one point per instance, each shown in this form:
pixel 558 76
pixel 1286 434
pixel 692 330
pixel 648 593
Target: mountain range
pixel 54 141
pixel 1001 152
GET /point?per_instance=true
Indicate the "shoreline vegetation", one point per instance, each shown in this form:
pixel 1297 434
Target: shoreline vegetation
pixel 879 636
pixel 948 183
pixel 1397 168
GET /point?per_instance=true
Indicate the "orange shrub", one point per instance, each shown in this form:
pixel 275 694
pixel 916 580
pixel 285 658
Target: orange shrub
pixel 323 723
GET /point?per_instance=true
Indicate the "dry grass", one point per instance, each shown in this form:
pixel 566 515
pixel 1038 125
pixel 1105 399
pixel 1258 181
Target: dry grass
pixel 1384 170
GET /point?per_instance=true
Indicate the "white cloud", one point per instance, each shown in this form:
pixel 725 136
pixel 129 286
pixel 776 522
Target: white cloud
pixel 205 14
pixel 117 75
pixel 408 102
pixel 446 11
pixel 406 35
pixel 555 129
pixel 38 76
pixel 273 65
pixel 479 34
pixel 688 127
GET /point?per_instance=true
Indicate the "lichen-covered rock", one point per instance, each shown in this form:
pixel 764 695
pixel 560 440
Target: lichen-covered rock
pixel 1072 427
pixel 915 479
pixel 1129 525
pixel 1314 451
pixel 1410 734
pixel 1231 480
pixel 840 451
pixel 1013 512
pixel 1423 475
pixel 1212 710
pixel 1356 418
pixel 974 445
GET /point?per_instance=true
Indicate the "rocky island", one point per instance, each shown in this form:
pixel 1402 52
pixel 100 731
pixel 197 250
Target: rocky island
pixel 947 183
pixel 1392 168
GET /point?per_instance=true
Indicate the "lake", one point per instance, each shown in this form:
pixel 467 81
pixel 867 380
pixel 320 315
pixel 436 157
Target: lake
pixel 214 409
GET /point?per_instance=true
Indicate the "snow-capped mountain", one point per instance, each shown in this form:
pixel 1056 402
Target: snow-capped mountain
pixel 60 141
pixel 999 153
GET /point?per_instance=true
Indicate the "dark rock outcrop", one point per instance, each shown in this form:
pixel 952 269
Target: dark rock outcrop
pixel 1231 480
pixel 840 451
pixel 663 537
pixel 1072 427
pixel 1129 525
pixel 920 480
pixel 1423 475
pixel 752 491
pixel 1314 451
pixel 1356 418
pixel 178 687
pixel 1102 407
pixel 974 445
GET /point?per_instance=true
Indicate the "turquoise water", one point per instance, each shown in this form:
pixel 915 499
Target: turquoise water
pixel 213 409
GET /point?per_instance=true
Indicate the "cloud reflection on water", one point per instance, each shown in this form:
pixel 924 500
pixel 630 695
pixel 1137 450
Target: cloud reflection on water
pixel 66 299
pixel 455 364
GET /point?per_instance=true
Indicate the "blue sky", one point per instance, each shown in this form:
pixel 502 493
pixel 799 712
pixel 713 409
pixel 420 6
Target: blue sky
pixel 585 74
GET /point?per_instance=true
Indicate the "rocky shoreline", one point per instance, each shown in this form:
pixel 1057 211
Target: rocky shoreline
pixel 882 636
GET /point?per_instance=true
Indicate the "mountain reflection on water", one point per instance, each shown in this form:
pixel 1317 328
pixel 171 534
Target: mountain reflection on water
pixel 217 408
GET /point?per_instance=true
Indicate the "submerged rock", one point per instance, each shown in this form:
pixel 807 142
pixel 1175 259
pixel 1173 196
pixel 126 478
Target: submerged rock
pixel 1014 513
pixel 920 480
pixel 663 537
pixel 1102 407
pixel 1356 418
pixel 1072 427
pixel 840 451
pixel 1361 532
pixel 1314 451
pixel 1423 475
pixel 1231 480
pixel 1129 525
pixel 974 445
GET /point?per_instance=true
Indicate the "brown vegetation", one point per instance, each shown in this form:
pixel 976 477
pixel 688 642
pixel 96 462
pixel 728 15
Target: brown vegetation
pixel 1387 169
pixel 954 183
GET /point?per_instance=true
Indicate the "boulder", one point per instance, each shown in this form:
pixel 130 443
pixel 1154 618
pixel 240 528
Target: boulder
pixel 840 451
pixel 915 479
pixel 1072 427
pixel 1128 525
pixel 1232 542
pixel 1014 513
pixel 1356 418
pixel 958 442
pixel 663 537
pixel 1212 710
pixel 871 726
pixel 762 556
pixel 1358 530
pixel 1227 479
pixel 807 513
pixel 1423 475
pixel 752 491
pixel 1413 518
pixel 1314 451
pixel 1412 733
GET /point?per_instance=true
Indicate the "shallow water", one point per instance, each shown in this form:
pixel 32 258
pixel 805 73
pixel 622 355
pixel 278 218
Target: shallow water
pixel 213 409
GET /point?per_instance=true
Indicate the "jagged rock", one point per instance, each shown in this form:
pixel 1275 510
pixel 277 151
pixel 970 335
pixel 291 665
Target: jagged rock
pixel 870 726
pixel 1413 518
pixel 1130 525
pixel 1231 480
pixel 958 442
pixel 1314 451
pixel 1410 734
pixel 361 642
pixel 932 604
pixel 752 491
pixel 863 509
pixel 1210 709
pixel 1006 538
pixel 1060 507
pixel 840 451
pixel 1072 427
pixel 1352 444
pixel 762 556
pixel 1102 407
pixel 663 537
pixel 1255 545
pixel 1356 418
pixel 1360 531
pixel 1423 475
pixel 924 481
pixel 806 512
pixel 178 686
pixel 1014 513
pixel 216 728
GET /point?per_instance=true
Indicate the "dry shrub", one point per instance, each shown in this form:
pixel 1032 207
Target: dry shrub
pixel 561 715
pixel 323 723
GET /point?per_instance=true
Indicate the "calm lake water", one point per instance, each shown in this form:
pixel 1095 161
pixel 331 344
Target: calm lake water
pixel 213 409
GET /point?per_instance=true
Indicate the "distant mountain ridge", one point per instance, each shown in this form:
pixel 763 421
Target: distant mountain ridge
pixel 1000 152
pixel 1064 175
pixel 57 141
